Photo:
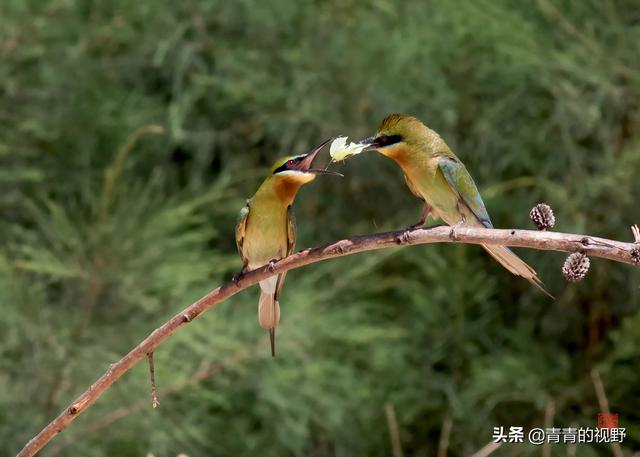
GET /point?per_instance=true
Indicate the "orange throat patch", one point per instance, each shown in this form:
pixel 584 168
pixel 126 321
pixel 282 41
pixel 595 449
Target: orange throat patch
pixel 286 188
pixel 399 154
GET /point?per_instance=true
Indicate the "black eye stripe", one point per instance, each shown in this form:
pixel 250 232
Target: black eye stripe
pixel 280 168
pixel 386 140
pixel 286 166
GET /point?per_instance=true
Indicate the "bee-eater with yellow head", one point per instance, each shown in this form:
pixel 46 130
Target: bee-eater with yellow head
pixel 436 175
pixel 266 229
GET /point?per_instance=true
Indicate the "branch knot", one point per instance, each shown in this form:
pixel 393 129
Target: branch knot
pixel 403 238
pixel 338 249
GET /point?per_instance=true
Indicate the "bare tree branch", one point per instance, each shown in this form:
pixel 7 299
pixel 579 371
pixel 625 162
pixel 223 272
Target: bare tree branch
pixel 602 397
pixel 549 414
pixel 487 449
pixel 394 430
pixel 445 433
pixel 596 247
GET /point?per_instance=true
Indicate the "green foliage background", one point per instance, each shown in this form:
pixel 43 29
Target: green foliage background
pixel 132 132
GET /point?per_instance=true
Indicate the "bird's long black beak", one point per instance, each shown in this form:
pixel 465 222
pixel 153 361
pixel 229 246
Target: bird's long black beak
pixel 320 171
pixel 369 143
pixel 305 164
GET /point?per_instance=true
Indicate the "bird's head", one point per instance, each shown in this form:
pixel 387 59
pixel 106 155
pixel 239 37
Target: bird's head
pixel 288 174
pixel 297 168
pixel 397 132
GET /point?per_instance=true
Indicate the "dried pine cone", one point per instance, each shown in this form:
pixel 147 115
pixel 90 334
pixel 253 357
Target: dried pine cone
pixel 542 216
pixel 635 255
pixel 575 267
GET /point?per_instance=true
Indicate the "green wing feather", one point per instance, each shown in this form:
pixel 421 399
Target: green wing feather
pixel 241 226
pixel 461 181
pixel 291 243
pixel 291 231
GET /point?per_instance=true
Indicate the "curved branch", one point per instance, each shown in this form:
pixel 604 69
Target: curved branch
pixel 596 247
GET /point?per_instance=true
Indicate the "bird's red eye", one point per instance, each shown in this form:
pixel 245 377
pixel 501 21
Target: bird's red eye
pixel 291 163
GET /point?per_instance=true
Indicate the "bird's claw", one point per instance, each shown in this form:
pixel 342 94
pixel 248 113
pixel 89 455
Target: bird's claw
pixel 452 234
pixel 237 277
pixel 271 266
pixel 426 210
pixel 417 225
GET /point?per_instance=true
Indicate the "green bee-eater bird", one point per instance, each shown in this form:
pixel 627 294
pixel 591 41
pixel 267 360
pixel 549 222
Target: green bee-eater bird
pixel 266 229
pixel 436 176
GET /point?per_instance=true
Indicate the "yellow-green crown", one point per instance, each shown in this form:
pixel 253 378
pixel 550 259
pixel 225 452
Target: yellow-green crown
pixel 400 124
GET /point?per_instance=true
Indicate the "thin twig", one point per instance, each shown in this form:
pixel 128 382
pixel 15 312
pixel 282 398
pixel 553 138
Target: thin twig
pixel 487 449
pixel 152 376
pixel 443 443
pixel 549 414
pixel 394 432
pixel 553 241
pixel 206 372
pixel 571 447
pixel 604 405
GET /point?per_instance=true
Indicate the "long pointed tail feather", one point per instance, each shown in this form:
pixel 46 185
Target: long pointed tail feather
pixel 272 340
pixel 516 265
pixel 269 317
pixel 269 310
